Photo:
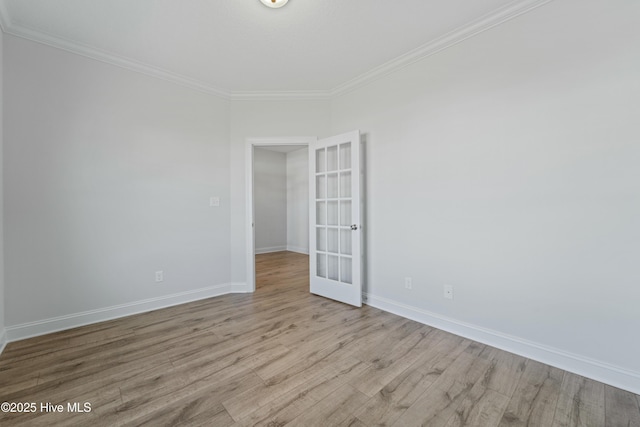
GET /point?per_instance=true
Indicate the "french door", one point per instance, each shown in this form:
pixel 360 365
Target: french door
pixel 335 228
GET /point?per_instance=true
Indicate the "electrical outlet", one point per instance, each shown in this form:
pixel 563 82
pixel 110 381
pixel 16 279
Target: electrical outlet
pixel 408 283
pixel 214 202
pixel 159 276
pixel 448 291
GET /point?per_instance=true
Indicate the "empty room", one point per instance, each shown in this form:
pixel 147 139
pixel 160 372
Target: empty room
pixel 320 213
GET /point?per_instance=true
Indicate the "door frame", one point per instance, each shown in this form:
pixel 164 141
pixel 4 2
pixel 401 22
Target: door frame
pixel 250 235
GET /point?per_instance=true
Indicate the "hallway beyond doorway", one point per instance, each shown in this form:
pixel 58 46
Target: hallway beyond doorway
pixel 273 269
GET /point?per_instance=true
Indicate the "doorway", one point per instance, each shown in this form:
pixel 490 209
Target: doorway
pixel 277 207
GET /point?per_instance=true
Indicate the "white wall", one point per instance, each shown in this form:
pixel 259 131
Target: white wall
pixel 2 303
pixel 108 175
pixel 507 166
pixel 270 200
pixel 264 119
pixel 298 201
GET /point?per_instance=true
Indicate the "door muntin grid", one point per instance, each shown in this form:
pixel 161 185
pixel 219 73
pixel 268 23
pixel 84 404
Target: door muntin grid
pixel 333 201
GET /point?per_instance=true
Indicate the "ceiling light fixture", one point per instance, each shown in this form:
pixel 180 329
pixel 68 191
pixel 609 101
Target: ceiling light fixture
pixel 274 3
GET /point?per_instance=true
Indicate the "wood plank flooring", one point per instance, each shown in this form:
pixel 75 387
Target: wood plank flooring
pixel 282 356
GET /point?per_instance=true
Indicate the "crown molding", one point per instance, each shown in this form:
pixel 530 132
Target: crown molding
pixel 106 57
pixel 312 95
pixel 448 40
pixel 486 22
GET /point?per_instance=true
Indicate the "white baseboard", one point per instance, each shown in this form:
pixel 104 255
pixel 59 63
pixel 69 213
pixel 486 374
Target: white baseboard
pixel 55 324
pixel 594 369
pixel 298 250
pixel 3 340
pixel 270 249
pixel 240 288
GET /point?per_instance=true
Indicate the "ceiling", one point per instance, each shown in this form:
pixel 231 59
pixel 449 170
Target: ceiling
pixel 236 48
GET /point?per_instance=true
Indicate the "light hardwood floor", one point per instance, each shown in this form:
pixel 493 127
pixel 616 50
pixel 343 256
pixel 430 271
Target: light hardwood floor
pixel 282 356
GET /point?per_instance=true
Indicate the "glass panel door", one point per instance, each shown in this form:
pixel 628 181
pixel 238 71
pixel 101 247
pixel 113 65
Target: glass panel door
pixel 334 218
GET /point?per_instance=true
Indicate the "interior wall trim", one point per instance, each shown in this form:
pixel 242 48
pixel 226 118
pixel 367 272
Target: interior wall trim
pixel 484 23
pixel 302 95
pixel 473 28
pixel 103 56
pixel 240 288
pixel 3 340
pixel 594 369
pixel 60 323
pixel 577 364
pixel 298 249
pixel 271 249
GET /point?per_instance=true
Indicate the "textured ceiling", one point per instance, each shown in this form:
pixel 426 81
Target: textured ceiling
pixel 240 46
